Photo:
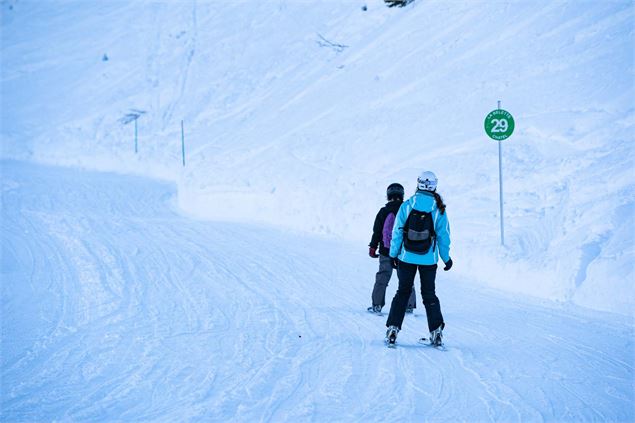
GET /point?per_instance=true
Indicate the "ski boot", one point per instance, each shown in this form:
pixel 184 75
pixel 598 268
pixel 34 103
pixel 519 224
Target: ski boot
pixel 410 310
pixel 374 309
pixel 436 336
pixel 391 336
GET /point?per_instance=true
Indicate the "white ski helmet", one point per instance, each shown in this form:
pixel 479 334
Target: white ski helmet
pixel 427 181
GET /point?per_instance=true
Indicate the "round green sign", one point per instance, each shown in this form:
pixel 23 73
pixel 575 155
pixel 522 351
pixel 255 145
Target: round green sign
pixel 499 124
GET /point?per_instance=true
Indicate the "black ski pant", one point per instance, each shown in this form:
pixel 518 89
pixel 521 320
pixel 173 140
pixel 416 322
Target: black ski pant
pixel 406 274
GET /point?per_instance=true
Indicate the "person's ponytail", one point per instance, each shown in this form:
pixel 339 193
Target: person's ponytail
pixel 439 200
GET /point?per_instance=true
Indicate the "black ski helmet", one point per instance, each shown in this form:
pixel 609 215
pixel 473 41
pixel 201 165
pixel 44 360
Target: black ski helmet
pixel 394 191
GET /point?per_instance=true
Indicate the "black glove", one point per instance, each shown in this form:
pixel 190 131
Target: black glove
pixel 394 262
pixel 448 265
pixel 372 251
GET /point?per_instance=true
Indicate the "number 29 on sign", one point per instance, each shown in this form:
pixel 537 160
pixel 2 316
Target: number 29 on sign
pixel 499 124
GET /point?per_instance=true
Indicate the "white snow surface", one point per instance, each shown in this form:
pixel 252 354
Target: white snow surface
pixel 284 129
pixel 298 114
pixel 115 307
pixel 234 287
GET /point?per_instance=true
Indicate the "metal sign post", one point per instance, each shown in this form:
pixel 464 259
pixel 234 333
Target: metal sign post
pixel 133 115
pixel 500 185
pixel 499 125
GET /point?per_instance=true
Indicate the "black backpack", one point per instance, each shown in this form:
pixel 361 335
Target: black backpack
pixel 419 235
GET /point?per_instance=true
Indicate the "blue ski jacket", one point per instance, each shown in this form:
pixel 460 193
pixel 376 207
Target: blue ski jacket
pixel 422 201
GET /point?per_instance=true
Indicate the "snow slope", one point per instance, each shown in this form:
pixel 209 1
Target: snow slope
pixel 300 113
pixel 115 307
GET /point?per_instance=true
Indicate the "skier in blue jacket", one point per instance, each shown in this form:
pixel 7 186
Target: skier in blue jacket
pixel 420 235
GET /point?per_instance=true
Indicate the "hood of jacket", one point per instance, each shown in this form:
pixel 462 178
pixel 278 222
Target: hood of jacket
pixel 393 206
pixel 423 201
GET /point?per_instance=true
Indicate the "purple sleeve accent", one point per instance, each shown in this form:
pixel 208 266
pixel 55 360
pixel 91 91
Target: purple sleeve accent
pixel 387 232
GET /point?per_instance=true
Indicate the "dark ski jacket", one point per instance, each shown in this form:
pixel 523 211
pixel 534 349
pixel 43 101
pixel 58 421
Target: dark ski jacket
pixel 378 228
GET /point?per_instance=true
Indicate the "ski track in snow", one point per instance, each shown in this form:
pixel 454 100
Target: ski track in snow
pixel 114 306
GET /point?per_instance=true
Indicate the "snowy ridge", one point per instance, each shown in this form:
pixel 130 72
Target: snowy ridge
pixel 116 308
pixel 283 129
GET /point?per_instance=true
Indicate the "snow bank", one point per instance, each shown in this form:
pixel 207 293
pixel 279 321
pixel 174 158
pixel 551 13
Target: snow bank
pixel 299 114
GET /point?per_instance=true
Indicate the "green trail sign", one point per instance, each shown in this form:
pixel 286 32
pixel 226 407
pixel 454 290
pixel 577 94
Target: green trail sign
pixel 499 124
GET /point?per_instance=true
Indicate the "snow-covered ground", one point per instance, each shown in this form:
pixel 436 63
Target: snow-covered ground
pixel 116 307
pixel 234 288
pixel 300 113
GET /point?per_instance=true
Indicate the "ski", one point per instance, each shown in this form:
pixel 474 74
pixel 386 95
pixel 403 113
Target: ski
pixel 426 342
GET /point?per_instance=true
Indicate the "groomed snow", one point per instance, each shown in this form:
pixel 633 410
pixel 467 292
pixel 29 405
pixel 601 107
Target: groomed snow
pixel 235 288
pixel 286 129
pixel 117 308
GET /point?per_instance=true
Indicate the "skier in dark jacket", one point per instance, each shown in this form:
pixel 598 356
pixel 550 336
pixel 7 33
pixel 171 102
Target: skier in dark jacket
pixel 421 236
pixel 382 235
